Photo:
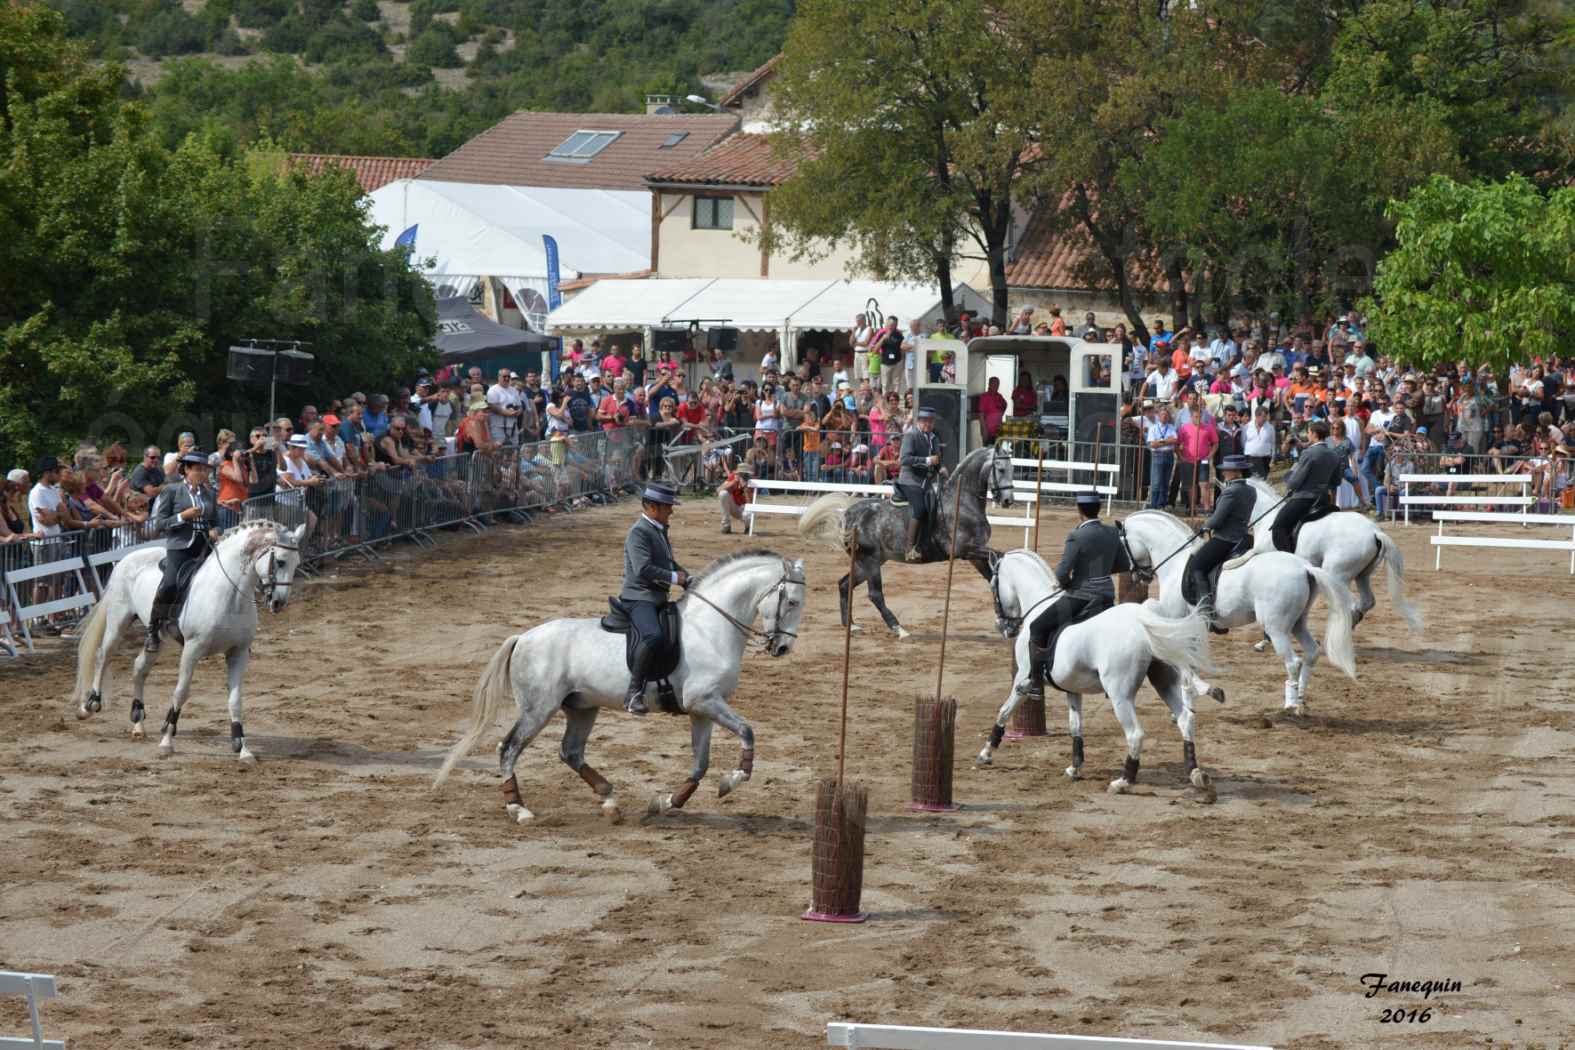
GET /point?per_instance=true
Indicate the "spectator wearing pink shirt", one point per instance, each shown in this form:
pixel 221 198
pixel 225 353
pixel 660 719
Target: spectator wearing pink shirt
pixel 1197 440
pixel 992 409
pixel 613 364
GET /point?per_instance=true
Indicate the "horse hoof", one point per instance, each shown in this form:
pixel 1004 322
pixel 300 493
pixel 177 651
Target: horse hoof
pixel 1072 773
pixel 166 749
pixel 1299 710
pixel 246 759
pixel 136 731
pixel 1262 646
pixel 660 806
pixel 1218 694
pixel 519 813
pixel 1119 786
pixel 856 629
pixel 1205 785
pixel 83 712
pixel 730 781
pixel 611 811
pixel 982 758
pixel 902 632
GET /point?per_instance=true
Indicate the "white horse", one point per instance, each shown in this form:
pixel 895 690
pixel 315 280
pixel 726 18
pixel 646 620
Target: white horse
pixel 576 666
pixel 1112 652
pixel 1273 589
pixel 253 560
pixel 1346 545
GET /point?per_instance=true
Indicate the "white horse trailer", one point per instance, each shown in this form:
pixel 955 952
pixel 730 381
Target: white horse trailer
pixel 1089 408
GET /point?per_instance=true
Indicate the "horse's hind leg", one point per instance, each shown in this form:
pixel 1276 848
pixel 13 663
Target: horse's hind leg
pixel 188 663
pixel 877 595
pixel 1126 713
pixel 534 716
pixel 139 678
pixel 1364 591
pixel 235 664
pixel 1310 652
pixel 700 727
pixel 1166 681
pixel 1293 666
pixel 578 723
pixel 1074 726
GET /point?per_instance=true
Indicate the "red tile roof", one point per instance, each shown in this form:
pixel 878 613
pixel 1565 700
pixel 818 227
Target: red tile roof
pixel 741 160
pixel 1052 257
pixel 514 151
pixel 370 172
pixel 591 278
pixel 753 80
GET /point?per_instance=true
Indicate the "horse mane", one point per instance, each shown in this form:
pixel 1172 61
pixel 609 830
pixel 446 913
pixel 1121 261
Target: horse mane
pixel 1263 488
pixel 739 555
pixel 1164 515
pixel 256 538
pixel 1034 555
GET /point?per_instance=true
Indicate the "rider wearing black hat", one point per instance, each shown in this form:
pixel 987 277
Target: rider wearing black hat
pixel 649 569
pixel 1093 551
pixel 1227 528
pixel 1311 482
pixel 183 513
pixel 920 458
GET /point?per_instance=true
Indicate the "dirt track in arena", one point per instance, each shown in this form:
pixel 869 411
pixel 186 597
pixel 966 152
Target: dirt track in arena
pixel 1420 824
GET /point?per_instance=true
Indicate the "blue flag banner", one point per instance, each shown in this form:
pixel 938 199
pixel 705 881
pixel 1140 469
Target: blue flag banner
pixel 554 299
pixel 407 241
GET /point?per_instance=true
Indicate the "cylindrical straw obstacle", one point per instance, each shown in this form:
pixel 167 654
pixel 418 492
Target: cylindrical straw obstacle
pixel 837 860
pixel 839 852
pixel 1028 719
pixel 934 743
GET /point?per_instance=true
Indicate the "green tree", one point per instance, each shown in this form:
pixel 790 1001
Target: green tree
pixel 917 102
pixel 126 269
pixel 1483 272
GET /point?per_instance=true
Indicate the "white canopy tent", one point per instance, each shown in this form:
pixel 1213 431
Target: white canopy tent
pixel 750 304
pixel 474 231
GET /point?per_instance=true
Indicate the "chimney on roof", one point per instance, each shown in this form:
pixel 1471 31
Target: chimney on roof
pixel 656 105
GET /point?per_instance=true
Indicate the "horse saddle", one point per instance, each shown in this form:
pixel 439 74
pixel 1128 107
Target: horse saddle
pixel 932 489
pixel 1241 554
pixel 659 655
pixel 183 579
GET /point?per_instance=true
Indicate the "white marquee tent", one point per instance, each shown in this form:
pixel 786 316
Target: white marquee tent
pixel 751 304
pixel 474 231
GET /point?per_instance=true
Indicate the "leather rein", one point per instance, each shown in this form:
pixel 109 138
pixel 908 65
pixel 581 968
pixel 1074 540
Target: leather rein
pixel 750 629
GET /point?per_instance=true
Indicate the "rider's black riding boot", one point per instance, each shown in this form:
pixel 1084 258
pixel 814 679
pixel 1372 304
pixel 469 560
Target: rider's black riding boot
pixel 634 701
pixel 913 541
pixel 156 618
pixel 1206 610
pixel 1038 670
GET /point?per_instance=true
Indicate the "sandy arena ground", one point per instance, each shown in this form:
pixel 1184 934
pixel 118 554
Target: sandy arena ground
pixel 1419 823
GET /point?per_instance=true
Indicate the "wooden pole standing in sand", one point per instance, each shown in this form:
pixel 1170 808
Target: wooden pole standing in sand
pixel 1039 493
pixel 946 610
pixel 847 655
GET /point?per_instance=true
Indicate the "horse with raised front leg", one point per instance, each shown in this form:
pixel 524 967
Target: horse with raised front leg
pixel 253 561
pixel 576 666
pixel 882 527
pixel 1115 652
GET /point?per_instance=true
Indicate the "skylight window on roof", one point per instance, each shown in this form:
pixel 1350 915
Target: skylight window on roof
pixel 583 145
pixel 674 139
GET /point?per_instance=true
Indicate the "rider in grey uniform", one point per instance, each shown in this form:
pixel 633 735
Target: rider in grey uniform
pixel 183 513
pixel 1315 477
pixel 1228 530
pixel 1093 551
pixel 920 458
pixel 649 569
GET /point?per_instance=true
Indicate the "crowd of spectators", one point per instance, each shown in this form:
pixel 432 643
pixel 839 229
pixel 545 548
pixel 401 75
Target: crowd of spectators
pixel 1197 397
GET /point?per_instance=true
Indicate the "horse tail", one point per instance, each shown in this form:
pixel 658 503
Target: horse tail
pixel 88 642
pixel 825 520
pixel 492 689
pixel 1394 568
pixel 1337 638
pixel 1182 641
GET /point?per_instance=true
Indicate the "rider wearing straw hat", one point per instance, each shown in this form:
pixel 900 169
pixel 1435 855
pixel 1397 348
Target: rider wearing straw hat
pixel 1093 551
pixel 1227 528
pixel 183 513
pixel 649 569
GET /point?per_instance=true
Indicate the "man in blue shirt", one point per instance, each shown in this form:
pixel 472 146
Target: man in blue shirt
pixel 1161 437
pixel 375 418
pixel 581 405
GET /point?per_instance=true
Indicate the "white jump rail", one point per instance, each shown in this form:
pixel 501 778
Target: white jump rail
pixel 1066 464
pixel 1407 501
pixel 35 987
pixel 72 568
pixel 900 1037
pixel 757 485
pixel 1441 541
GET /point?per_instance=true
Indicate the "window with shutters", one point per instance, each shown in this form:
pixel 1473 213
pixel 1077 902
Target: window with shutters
pixel 713 213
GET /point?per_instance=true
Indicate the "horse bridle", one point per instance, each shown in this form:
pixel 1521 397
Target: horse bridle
pixel 750 629
pixel 273 582
pixel 994 489
pixel 1013 623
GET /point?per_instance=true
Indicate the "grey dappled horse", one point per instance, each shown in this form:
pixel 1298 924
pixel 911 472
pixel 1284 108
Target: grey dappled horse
pixel 882 526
